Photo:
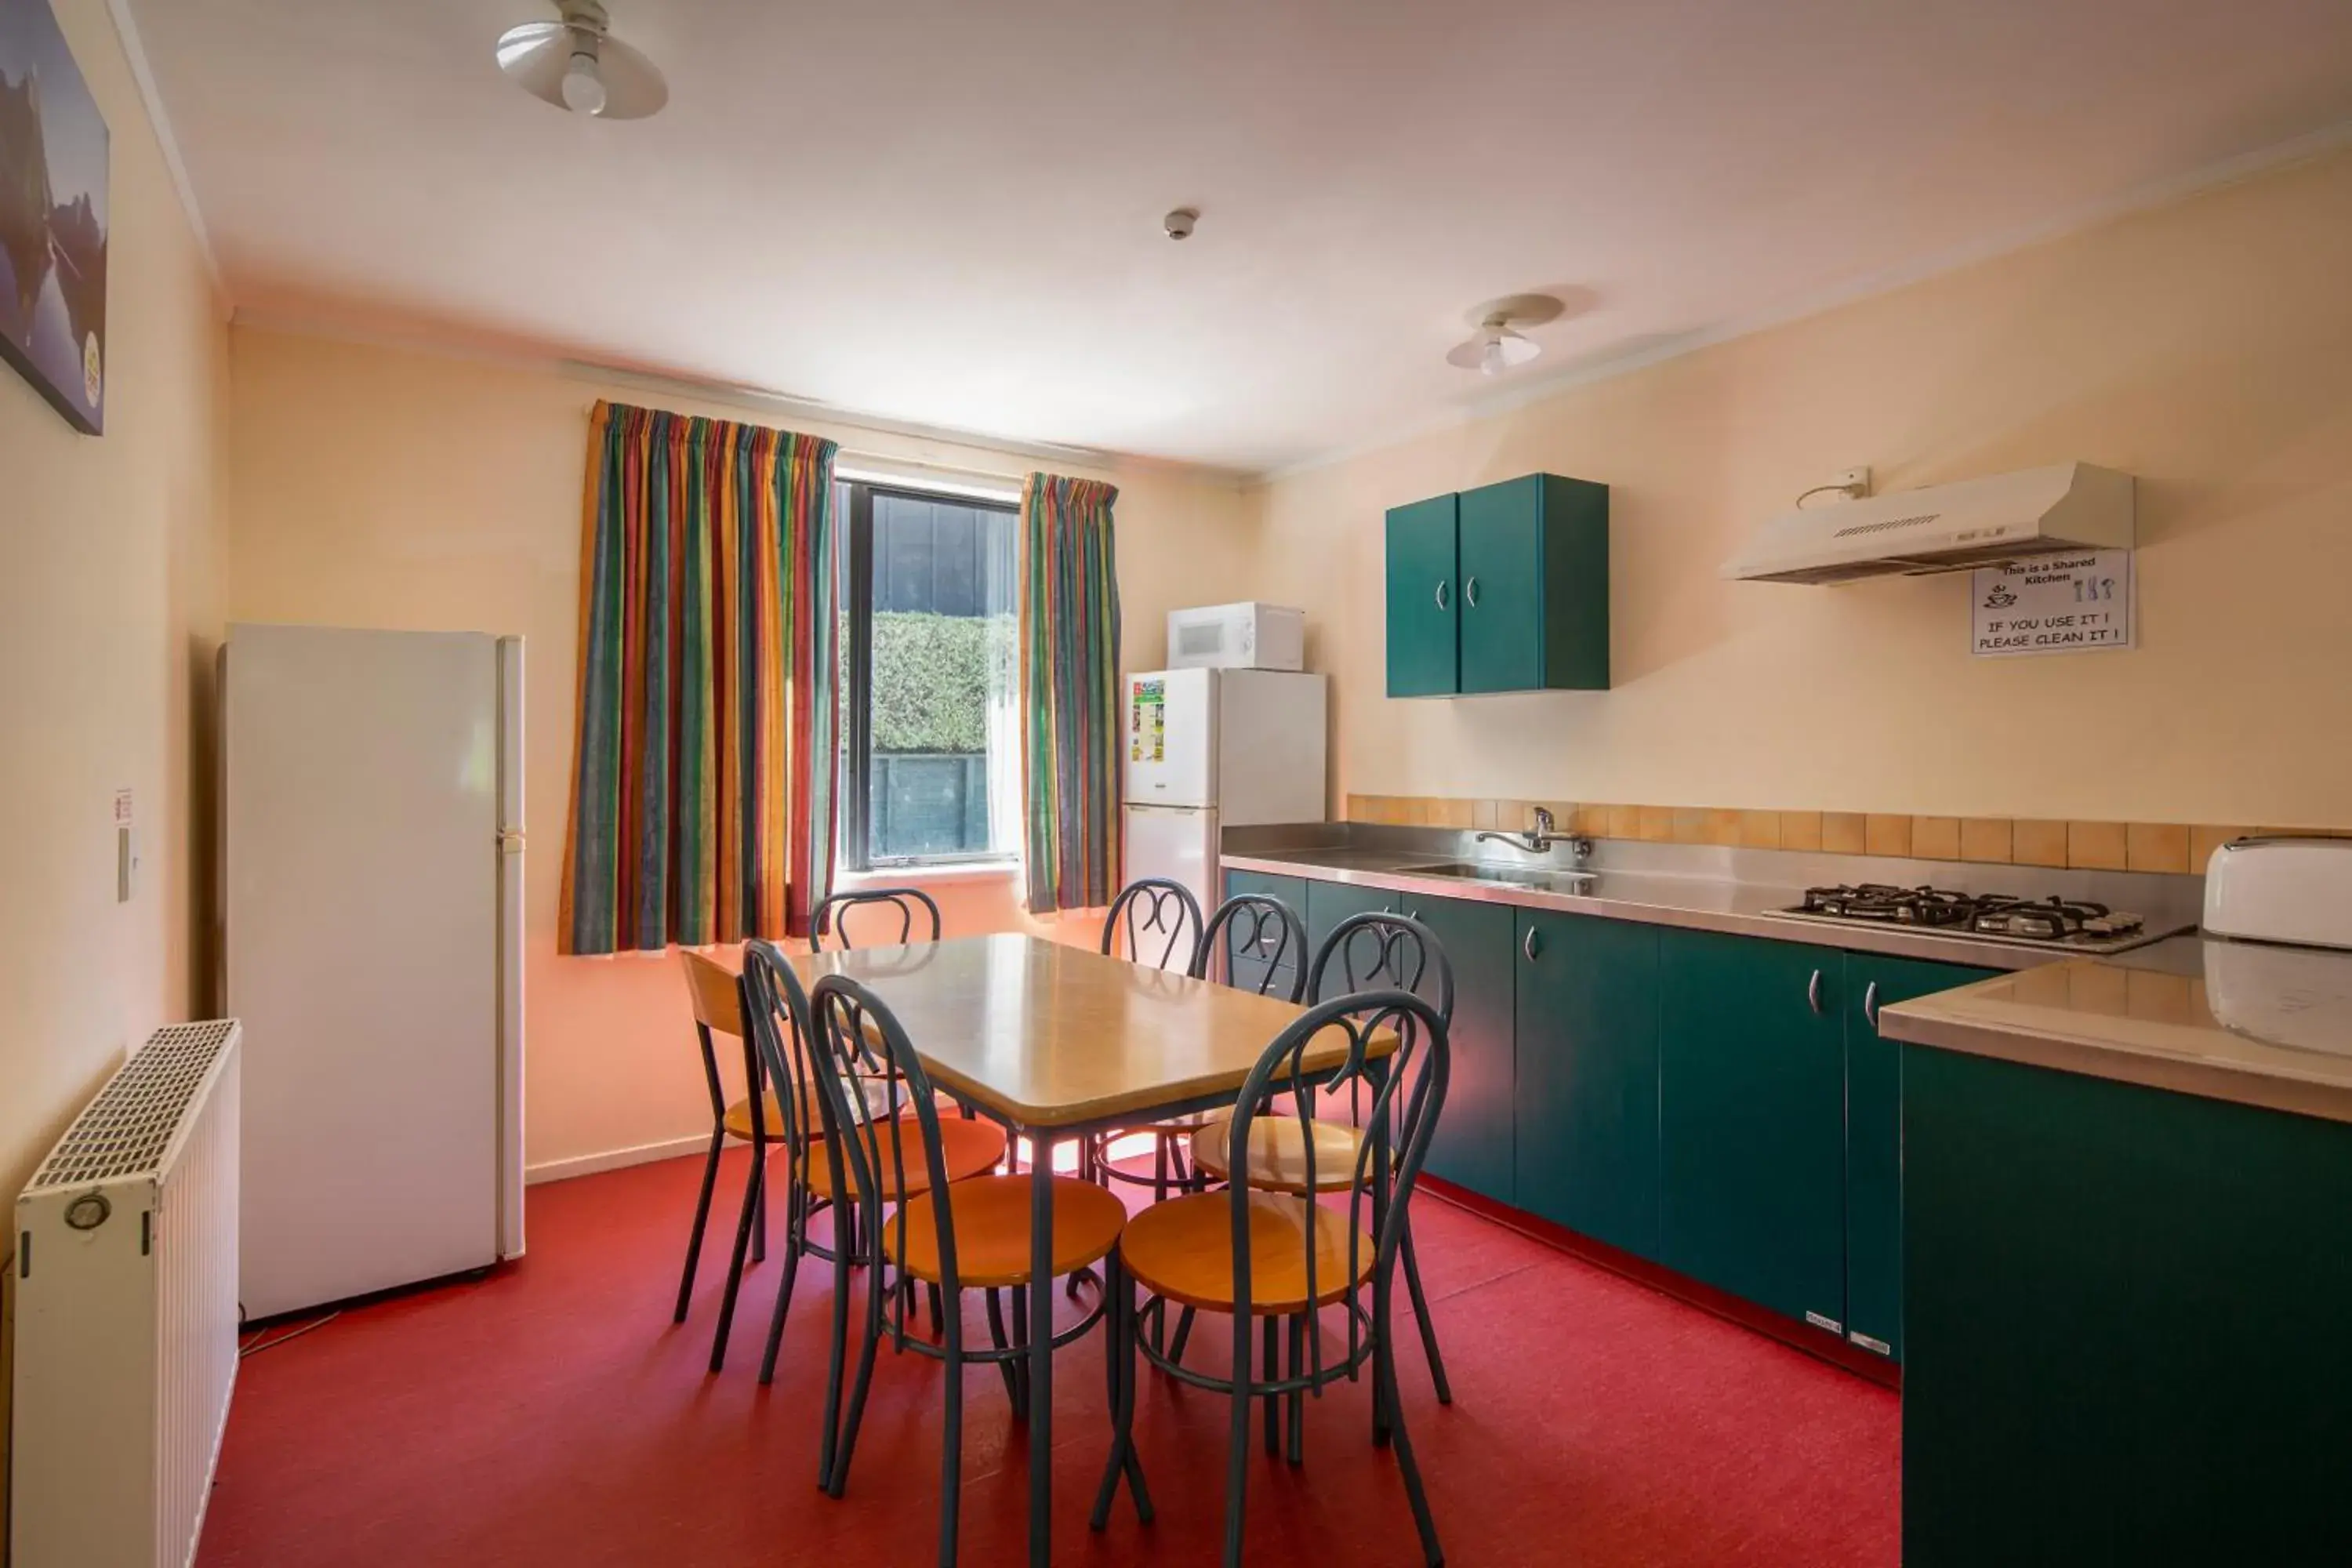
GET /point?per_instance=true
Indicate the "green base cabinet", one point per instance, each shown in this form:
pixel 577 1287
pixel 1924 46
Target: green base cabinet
pixel 1250 966
pixel 1873 1141
pixel 1472 1145
pixel 2126 1325
pixel 1752 1121
pixel 1586 1145
pixel 1503 588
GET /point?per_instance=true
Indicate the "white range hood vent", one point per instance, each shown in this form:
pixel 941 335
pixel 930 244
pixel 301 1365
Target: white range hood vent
pixel 1944 528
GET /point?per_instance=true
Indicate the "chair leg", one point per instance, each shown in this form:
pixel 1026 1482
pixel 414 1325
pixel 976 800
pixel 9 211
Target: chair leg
pixel 701 1217
pixel 1120 1326
pixel 1274 1402
pixel 1237 1451
pixel 1299 1332
pixel 795 1243
pixel 1008 1367
pixel 1159 1151
pixel 744 1227
pixel 857 1414
pixel 760 1210
pixel 951 1449
pixel 829 1440
pixel 1183 1332
pixel 1432 1553
pixel 1421 1315
pixel 938 1313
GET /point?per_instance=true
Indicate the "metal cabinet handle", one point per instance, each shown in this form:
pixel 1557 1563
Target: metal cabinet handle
pixel 1870 1003
pixel 1814 992
pixel 1440 593
pixel 1529 946
pixel 1470 592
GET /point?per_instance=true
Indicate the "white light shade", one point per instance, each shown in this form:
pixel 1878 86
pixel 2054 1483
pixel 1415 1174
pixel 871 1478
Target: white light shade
pixel 546 60
pixel 1504 350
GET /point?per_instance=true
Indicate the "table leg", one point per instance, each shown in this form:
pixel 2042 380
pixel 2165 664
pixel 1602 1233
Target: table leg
pixel 1041 1351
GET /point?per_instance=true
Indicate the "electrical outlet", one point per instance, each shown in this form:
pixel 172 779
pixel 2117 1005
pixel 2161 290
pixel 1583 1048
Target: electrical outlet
pixel 1855 482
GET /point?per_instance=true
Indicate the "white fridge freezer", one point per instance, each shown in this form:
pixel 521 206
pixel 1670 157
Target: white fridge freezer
pixel 1212 749
pixel 371 909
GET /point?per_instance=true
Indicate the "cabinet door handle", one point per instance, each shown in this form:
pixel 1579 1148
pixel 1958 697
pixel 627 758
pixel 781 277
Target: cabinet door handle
pixel 1530 947
pixel 1440 593
pixel 1470 592
pixel 1814 992
pixel 1870 1003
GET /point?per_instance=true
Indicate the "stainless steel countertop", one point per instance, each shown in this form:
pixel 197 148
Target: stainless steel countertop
pixel 1696 903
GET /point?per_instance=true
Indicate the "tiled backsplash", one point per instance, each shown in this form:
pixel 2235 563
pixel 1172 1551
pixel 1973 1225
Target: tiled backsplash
pixel 1987 840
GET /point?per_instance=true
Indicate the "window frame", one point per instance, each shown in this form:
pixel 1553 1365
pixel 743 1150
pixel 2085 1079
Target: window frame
pixel 852 850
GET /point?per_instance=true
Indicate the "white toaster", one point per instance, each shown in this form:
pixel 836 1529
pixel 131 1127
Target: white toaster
pixel 2281 889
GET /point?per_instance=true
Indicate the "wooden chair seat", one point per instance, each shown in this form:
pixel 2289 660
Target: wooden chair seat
pixel 1183 1249
pixel 968 1149
pixel 1277 1152
pixel 991 1229
pixel 738 1114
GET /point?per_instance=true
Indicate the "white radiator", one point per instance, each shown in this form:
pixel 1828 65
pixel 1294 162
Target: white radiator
pixel 126 1313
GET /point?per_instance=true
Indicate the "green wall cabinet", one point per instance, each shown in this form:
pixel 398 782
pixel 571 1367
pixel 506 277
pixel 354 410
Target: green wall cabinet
pixel 1424 596
pixel 1586 1144
pixel 1503 588
pixel 1752 1119
pixel 1873 1141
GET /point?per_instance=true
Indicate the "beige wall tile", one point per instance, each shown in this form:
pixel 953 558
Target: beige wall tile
pixel 1689 824
pixel 1760 829
pixel 1448 813
pixel 1936 837
pixel 2206 837
pixel 1656 825
pixel 1987 838
pixel 1800 830
pixel 2096 845
pixel 1486 812
pixel 1886 834
pixel 1721 826
pixel 2156 847
pixel 2038 843
pixel 1563 815
pixel 1624 822
pixel 1413 810
pixel 1844 832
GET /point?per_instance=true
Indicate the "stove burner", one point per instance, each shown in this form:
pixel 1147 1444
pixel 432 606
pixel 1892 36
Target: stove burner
pixel 2054 920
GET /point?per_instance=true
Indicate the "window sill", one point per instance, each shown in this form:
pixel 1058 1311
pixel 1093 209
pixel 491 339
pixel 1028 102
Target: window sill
pixel 924 875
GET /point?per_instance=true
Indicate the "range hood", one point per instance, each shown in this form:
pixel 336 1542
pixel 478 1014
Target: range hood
pixel 1944 528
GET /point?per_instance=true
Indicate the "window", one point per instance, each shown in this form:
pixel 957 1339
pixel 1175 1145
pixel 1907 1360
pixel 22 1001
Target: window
pixel 931 759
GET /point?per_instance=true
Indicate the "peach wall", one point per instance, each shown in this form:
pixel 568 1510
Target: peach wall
pixel 110 609
pixel 2206 347
pixel 385 486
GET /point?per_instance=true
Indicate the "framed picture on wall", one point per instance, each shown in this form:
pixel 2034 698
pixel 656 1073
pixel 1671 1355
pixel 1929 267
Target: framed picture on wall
pixel 53 217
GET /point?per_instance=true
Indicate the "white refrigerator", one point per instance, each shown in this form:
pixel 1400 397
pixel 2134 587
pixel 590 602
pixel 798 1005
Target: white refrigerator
pixel 372 894
pixel 1212 749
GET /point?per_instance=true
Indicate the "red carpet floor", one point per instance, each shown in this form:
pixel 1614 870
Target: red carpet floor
pixel 551 1414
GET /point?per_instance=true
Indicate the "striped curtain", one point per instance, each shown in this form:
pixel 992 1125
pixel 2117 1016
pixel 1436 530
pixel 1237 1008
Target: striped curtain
pixel 1069 693
pixel 702 790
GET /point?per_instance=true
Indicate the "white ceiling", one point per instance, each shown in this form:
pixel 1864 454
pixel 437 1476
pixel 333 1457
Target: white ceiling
pixel 948 212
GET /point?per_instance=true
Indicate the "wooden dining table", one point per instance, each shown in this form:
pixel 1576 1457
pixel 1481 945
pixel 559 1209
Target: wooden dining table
pixel 1058 1043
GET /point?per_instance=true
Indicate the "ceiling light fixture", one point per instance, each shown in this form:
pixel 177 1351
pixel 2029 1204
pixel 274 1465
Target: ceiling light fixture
pixel 576 64
pixel 1497 345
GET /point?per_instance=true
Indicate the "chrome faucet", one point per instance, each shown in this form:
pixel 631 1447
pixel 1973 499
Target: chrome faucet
pixel 1541 840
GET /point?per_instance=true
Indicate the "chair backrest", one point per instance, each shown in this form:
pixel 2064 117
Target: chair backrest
pixel 1378 950
pixel 1266 931
pixel 776 1012
pixel 710 986
pixel 858 1047
pixel 906 903
pixel 1155 921
pixel 1408 1089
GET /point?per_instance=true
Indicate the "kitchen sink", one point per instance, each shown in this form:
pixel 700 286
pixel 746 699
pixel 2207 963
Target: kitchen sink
pixel 1506 876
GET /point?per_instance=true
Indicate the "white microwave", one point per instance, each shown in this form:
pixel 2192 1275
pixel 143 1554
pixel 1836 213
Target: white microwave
pixel 1237 636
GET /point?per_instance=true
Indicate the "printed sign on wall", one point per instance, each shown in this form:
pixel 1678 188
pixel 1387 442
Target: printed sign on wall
pixel 2054 604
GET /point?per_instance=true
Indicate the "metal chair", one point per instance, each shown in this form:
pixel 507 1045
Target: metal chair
pixel 953 1235
pixel 718 1010
pixel 776 1008
pixel 1152 921
pixel 906 902
pixel 1273 1259
pixel 1364 953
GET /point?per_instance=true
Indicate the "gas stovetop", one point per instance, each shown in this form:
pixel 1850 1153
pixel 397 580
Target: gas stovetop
pixel 2076 925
